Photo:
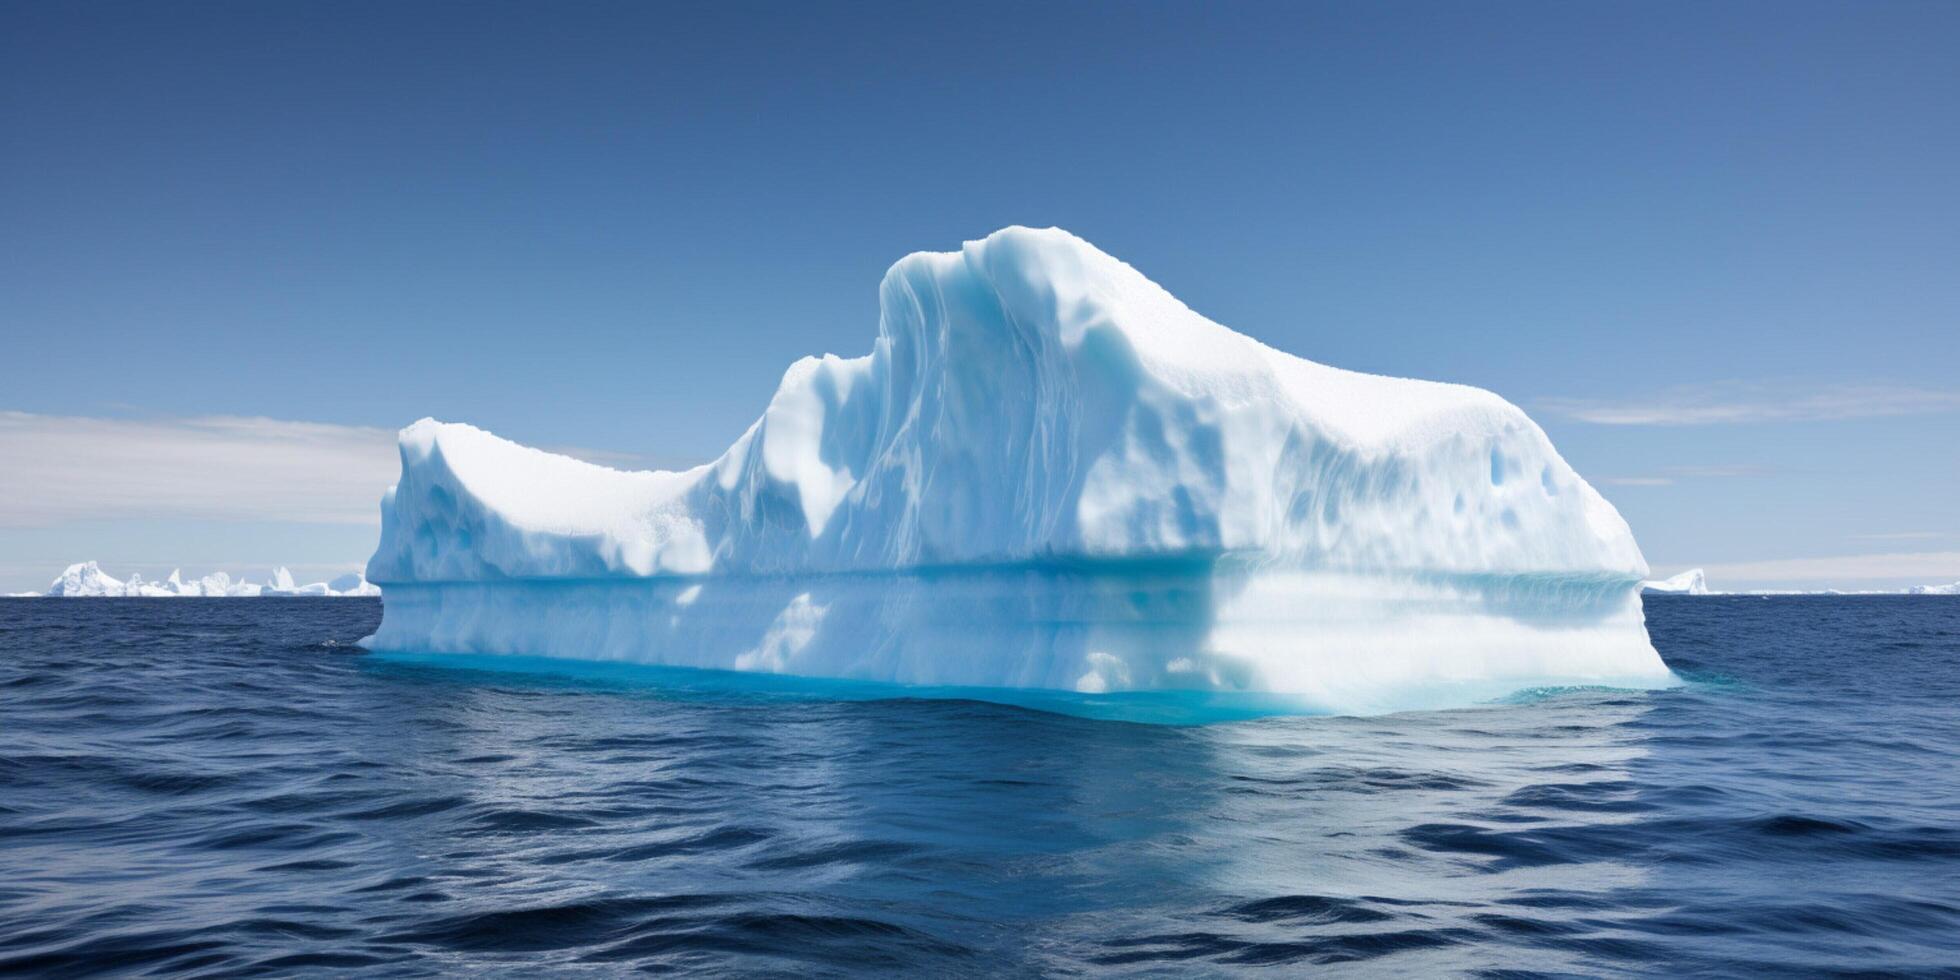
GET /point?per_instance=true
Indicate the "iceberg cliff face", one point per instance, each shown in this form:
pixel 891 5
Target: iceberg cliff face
pixel 1047 473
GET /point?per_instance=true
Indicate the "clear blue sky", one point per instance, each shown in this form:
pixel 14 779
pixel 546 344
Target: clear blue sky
pixel 1713 248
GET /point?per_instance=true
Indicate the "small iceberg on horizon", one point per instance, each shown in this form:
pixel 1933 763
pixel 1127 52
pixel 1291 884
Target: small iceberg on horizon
pixel 1691 582
pixel 1048 474
pixel 87 580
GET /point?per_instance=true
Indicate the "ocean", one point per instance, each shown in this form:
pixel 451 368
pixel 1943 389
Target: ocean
pixel 230 787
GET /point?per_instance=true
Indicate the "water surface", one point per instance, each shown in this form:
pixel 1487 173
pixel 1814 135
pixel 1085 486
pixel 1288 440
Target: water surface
pixel 216 786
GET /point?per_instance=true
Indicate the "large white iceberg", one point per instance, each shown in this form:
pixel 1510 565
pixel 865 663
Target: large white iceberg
pixel 1048 473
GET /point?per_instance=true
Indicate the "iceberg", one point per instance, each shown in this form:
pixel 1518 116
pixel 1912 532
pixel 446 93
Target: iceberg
pixel 88 579
pixel 1952 589
pixel 1048 473
pixel 1691 582
pixel 218 584
pixel 282 584
pixel 352 584
pixel 137 587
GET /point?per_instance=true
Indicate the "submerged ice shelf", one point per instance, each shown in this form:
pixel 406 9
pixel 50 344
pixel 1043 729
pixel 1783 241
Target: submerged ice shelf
pixel 1050 474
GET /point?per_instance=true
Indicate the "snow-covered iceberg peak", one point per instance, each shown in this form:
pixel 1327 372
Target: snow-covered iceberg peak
pixel 86 579
pixel 1200 510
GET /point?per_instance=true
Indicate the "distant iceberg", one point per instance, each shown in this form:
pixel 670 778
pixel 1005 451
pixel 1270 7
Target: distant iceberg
pixel 1690 582
pixel 1694 582
pixel 87 579
pixel 1048 473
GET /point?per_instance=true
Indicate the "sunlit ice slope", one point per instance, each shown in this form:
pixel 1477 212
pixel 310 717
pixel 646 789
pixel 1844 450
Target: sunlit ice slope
pixel 1048 473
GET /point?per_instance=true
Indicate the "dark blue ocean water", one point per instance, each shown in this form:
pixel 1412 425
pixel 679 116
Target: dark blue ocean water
pixel 228 786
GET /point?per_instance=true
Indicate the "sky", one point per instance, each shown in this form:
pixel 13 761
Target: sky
pixel 1714 249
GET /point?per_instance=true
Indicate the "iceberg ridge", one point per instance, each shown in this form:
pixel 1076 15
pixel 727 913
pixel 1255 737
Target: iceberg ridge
pixel 1047 473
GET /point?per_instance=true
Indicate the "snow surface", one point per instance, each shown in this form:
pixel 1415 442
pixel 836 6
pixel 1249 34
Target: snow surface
pixel 89 580
pixel 1690 582
pixel 1047 473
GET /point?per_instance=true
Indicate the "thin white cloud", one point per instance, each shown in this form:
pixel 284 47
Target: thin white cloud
pixel 1668 476
pixel 1736 403
pixel 1723 471
pixel 56 468
pixel 1920 566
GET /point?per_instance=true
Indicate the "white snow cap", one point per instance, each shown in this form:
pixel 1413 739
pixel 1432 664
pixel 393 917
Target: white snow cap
pixel 1031 402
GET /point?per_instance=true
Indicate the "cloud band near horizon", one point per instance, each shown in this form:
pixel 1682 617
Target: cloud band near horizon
pixel 1746 403
pixel 64 468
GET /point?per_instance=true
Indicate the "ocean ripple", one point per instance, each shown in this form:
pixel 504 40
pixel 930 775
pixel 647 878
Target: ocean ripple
pixel 230 787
